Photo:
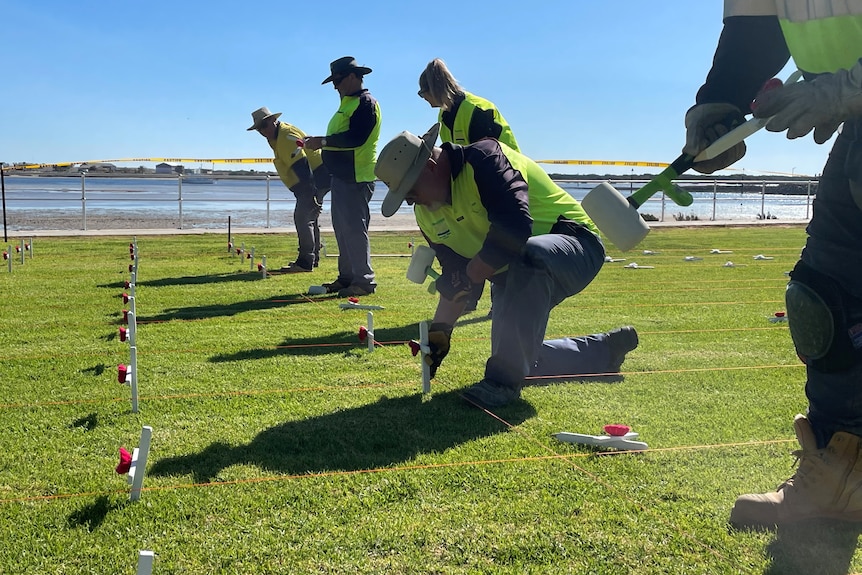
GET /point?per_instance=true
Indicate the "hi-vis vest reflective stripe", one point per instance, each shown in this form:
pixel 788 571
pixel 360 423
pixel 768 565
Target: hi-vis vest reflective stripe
pixel 464 225
pixel 822 35
pixel 364 156
pixel 461 126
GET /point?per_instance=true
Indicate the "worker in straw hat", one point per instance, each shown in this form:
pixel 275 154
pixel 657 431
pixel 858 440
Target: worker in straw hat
pixel 491 213
pixel 305 175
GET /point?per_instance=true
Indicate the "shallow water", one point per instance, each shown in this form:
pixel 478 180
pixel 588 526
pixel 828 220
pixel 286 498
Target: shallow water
pixel 256 202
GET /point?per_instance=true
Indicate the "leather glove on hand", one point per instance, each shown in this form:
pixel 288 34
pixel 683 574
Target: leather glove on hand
pixel 821 104
pixel 704 124
pixel 455 287
pixel 439 335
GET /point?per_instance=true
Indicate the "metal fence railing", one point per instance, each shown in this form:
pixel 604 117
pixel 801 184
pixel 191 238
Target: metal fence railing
pixel 262 200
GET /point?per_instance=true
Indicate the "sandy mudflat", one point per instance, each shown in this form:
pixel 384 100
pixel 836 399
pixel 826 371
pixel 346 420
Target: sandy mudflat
pixel 58 222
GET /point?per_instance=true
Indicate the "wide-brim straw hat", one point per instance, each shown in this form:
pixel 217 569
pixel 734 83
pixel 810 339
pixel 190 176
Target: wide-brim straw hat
pixel 260 115
pixel 399 164
pixel 343 67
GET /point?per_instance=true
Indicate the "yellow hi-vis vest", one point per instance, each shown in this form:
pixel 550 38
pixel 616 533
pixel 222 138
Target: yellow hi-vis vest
pixel 364 156
pixel 285 144
pixel 460 133
pixel 463 225
pixel 822 35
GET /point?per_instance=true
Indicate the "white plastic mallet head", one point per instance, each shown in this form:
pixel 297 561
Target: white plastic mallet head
pixel 420 264
pixel 615 217
pixel 420 267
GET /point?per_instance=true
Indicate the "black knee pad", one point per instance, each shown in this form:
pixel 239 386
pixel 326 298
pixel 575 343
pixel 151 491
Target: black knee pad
pixel 825 330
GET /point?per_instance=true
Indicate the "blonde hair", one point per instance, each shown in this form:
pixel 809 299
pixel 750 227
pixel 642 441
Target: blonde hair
pixel 439 83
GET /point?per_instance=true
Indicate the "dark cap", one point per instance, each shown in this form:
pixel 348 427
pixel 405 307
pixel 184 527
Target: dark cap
pixel 343 67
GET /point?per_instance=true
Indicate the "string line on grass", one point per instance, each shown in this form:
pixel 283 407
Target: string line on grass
pixel 618 492
pixel 252 392
pixel 423 467
pixel 23 306
pixel 19 357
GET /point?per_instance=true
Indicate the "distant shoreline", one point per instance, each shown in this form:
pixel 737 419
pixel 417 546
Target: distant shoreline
pixel 62 221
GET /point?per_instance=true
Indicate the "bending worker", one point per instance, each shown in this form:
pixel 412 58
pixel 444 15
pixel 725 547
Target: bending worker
pixel 824 295
pixel 305 175
pixel 491 213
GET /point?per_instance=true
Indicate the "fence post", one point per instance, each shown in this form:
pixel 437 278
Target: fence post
pixel 662 206
pixel 83 202
pixel 180 197
pixel 714 196
pixel 808 201
pixel 763 199
pixel 267 201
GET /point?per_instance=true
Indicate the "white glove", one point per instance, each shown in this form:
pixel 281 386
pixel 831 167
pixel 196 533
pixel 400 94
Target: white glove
pixel 704 124
pixel 821 104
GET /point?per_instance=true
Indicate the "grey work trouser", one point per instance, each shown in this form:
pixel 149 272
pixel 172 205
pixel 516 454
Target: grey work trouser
pixel 551 268
pixel 309 202
pixel 571 357
pixel 834 248
pixel 350 219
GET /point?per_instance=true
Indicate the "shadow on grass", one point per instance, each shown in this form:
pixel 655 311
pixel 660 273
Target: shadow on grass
pixel 87 423
pixel 239 276
pixel 338 342
pixel 823 547
pixel 96 370
pixel 384 433
pixel 228 310
pixel 92 515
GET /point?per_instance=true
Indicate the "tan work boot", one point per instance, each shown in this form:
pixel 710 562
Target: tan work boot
pixel 828 483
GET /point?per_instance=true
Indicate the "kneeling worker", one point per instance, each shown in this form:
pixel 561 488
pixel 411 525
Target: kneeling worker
pixel 491 213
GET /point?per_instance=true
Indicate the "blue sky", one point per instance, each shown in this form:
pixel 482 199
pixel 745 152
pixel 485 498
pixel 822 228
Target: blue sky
pixel 605 80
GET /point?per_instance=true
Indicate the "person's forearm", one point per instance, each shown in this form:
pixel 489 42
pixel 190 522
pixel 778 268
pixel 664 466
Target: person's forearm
pixel 750 51
pixel 448 312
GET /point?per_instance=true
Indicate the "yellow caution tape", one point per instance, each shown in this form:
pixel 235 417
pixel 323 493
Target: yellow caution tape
pixel 269 160
pixel 604 163
pixel 154 160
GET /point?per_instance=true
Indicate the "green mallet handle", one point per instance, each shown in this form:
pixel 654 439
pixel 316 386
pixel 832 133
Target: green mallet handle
pixel 431 273
pixel 664 183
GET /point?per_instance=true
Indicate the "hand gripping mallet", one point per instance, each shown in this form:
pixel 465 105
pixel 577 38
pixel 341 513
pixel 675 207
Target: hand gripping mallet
pixel 617 217
pixel 420 267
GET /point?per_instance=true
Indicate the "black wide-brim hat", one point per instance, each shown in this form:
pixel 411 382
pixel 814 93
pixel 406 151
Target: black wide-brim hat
pixel 344 66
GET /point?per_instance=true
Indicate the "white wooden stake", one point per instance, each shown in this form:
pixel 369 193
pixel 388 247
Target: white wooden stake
pixel 370 332
pixel 145 562
pixel 424 350
pixel 139 463
pixel 133 377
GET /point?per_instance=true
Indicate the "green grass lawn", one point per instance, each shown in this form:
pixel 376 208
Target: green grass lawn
pixel 281 445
